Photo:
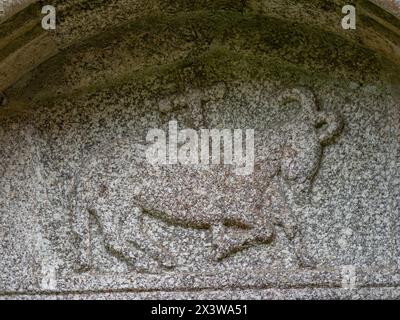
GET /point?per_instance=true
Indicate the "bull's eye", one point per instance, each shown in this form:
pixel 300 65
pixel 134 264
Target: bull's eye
pixel 289 153
pixel 321 125
pixel 103 189
pixel 91 211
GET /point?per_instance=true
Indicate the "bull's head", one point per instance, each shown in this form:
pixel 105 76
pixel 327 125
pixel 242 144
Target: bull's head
pixel 304 138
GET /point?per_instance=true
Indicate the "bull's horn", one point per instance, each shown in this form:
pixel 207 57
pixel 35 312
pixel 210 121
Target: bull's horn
pixel 302 95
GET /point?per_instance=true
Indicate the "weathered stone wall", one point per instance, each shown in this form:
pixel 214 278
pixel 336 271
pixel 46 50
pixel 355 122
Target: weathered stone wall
pixel 84 215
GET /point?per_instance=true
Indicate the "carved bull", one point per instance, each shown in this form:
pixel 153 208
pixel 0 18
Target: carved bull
pixel 116 188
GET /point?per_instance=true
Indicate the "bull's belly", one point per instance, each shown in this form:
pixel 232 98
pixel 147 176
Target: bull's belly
pixel 184 195
pixel 201 198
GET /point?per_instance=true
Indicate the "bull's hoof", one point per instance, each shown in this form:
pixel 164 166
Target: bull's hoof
pixel 81 267
pixel 220 251
pixel 167 261
pixel 306 262
pixel 219 255
pixel 226 249
pixel 141 266
pixel 266 234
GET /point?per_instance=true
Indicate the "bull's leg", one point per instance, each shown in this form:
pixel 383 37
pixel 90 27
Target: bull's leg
pixel 222 242
pixel 133 233
pixel 263 230
pixel 287 223
pixel 130 255
pixel 112 228
pixel 293 234
pixel 227 240
pixel 296 197
pixel 304 259
pixel 124 237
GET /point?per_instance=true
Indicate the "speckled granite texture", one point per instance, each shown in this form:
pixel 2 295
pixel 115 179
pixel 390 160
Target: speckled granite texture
pixel 83 215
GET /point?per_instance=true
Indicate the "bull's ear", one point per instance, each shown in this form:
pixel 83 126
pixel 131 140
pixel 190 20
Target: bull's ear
pixel 328 126
pixel 304 96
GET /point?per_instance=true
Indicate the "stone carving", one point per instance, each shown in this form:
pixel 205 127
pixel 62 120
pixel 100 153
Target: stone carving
pixel 116 187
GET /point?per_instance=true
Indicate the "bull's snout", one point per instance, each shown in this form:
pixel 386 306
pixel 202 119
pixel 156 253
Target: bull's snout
pixel 328 125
